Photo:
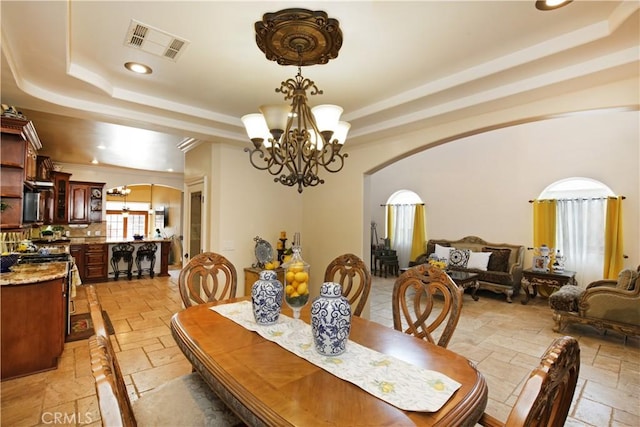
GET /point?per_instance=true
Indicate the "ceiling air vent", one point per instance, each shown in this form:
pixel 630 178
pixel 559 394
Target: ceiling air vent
pixel 154 41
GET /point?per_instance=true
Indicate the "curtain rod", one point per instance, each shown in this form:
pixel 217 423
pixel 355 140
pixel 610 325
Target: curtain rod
pixel 403 204
pixel 583 198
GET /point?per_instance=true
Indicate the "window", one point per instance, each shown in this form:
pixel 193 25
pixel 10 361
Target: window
pixel 402 204
pixel 121 227
pixel 580 224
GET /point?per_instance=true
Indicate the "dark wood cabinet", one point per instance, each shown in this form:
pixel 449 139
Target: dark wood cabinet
pixel 18 150
pixel 44 168
pixel 85 202
pixel 78 203
pixel 33 327
pixel 91 260
pixel 60 197
pixel 95 262
pixel 77 252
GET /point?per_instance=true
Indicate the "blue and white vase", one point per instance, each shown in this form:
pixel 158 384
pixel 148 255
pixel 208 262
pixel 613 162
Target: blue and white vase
pixel 266 297
pixel 330 320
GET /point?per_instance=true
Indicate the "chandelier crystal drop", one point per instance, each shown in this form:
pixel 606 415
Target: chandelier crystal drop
pixel 293 141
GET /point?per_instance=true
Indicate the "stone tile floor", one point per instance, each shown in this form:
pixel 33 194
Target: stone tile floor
pixel 504 340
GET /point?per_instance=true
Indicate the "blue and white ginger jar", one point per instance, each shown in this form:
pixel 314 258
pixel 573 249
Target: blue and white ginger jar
pixel 330 320
pixel 266 297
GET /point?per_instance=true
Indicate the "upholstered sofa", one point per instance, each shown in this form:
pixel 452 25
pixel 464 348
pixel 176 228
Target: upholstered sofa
pixel 503 270
pixel 604 304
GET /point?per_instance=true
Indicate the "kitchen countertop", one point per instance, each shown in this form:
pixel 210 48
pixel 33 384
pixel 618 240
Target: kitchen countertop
pixel 22 274
pixel 99 240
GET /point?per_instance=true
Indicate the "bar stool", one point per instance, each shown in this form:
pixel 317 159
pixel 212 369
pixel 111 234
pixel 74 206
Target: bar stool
pixel 122 252
pixel 146 252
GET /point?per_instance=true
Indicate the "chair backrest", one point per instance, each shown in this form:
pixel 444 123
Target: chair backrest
pixel 207 277
pixel 546 396
pixel 147 251
pixel 113 400
pixel 95 309
pixel 115 407
pixel 123 249
pixel 418 294
pixel 354 276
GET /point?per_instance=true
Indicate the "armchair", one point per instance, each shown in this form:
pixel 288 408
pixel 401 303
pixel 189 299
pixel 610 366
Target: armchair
pixel 604 304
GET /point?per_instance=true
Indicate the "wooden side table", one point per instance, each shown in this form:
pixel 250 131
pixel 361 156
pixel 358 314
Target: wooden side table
pixel 531 279
pixel 251 274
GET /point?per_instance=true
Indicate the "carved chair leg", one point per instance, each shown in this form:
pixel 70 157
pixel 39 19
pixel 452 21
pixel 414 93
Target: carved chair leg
pixel 558 322
pixel 509 293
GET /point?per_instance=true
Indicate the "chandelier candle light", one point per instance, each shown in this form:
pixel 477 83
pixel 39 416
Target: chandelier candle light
pixel 293 141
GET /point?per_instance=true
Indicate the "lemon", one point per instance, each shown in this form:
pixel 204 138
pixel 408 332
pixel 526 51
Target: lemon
pixel 294 295
pixel 290 276
pixel 303 288
pixel 297 267
pixel 289 289
pixel 269 266
pixel 302 276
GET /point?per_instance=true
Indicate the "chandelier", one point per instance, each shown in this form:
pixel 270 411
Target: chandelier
pixel 121 191
pixel 294 141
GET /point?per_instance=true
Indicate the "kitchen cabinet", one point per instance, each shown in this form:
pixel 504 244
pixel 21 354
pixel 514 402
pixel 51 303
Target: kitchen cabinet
pixel 20 142
pixel 60 197
pixel 77 252
pixel 33 326
pixel 85 202
pixel 44 168
pixel 95 262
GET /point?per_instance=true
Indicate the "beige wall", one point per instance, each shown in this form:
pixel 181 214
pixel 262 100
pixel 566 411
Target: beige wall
pixel 481 185
pixel 336 215
pixel 243 203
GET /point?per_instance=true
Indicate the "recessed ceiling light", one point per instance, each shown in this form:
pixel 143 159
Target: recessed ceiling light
pixel 137 67
pixel 170 170
pixel 101 147
pixel 551 4
pixel 94 161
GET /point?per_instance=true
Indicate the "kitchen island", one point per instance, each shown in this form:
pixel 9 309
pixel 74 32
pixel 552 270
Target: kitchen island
pixel 33 308
pixel 93 256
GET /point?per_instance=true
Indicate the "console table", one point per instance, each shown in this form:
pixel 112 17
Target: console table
pixel 531 279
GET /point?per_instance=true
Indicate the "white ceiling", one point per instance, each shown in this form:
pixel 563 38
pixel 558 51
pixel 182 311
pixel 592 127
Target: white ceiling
pixel 402 64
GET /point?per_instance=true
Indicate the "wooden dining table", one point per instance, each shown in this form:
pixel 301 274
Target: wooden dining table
pixel 266 385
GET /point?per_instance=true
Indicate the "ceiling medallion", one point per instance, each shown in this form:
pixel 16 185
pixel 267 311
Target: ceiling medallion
pixel 293 141
pixel 299 37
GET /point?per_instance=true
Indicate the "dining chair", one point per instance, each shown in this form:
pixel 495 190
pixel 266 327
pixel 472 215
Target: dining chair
pixel 418 294
pixel 207 277
pixel 546 397
pixel 354 276
pixel 182 401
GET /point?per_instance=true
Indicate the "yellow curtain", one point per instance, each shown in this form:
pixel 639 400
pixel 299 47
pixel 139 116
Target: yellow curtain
pixel 390 224
pixel 544 223
pixel 419 233
pixel 613 241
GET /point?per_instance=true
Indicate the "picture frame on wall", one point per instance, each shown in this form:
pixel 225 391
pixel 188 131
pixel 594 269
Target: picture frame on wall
pixel 540 263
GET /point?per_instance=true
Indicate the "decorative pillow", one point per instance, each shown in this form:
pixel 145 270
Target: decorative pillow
pixel 499 260
pixel 458 257
pixel 479 260
pixel 627 279
pixel 442 252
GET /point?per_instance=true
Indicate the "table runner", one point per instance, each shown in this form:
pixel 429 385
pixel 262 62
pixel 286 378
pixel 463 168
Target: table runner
pixel 399 383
